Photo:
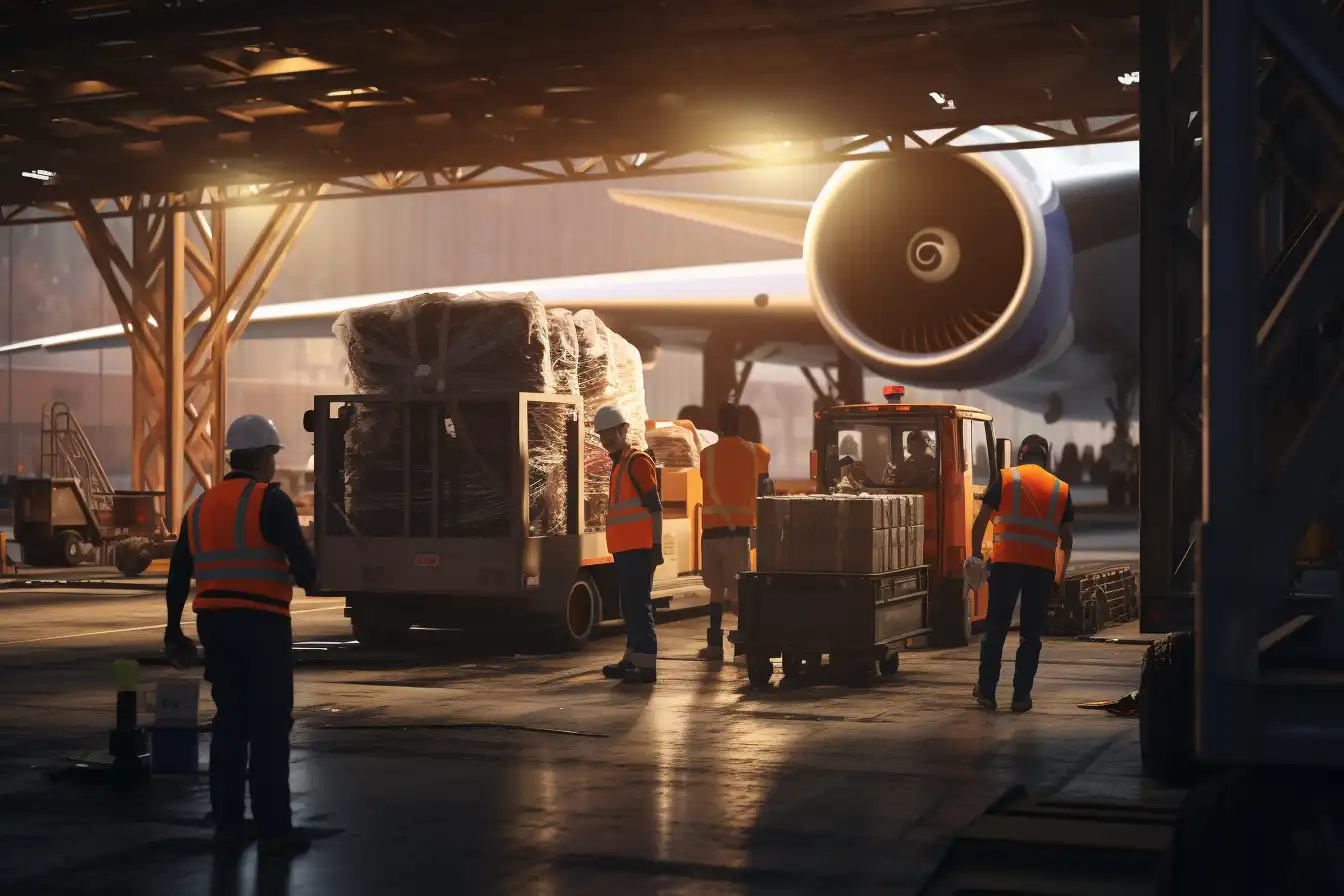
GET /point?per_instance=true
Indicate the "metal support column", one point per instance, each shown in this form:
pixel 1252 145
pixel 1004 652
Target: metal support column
pixel 719 375
pixel 219 355
pixel 179 386
pixel 1169 311
pixel 174 392
pixel 1228 606
pixel 849 380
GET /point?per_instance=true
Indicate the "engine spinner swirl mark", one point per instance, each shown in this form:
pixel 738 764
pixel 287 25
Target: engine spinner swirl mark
pixel 933 254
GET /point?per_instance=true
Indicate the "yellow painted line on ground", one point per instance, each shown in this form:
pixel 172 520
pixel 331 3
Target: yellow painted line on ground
pixel 145 628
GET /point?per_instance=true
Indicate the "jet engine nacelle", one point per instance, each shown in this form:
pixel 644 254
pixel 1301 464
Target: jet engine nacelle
pixel 942 271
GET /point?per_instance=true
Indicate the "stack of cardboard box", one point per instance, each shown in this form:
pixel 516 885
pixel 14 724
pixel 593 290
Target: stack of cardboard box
pixel 862 534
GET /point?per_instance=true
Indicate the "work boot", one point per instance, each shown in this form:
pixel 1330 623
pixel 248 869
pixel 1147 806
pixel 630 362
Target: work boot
pixel 290 843
pixel 1021 704
pixel 617 670
pixel 713 649
pixel 985 701
pixel 639 675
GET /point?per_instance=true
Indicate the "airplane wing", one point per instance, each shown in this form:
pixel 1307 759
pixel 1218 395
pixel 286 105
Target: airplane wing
pixel 670 306
pixel 778 219
pixel 1101 203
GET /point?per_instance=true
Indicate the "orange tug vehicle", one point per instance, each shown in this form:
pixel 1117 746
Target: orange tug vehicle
pixel 862 577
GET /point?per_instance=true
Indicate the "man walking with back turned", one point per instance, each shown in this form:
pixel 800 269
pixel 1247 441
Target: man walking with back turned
pixel 1033 516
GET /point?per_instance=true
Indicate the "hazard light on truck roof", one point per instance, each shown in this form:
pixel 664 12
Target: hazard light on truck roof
pixel 893 394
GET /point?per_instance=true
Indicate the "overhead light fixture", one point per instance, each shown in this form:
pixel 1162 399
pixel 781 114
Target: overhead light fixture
pixel 1128 79
pixel 41 174
pixel 943 100
pixel 640 159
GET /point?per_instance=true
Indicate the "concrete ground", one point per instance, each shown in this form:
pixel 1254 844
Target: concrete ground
pixel 464 768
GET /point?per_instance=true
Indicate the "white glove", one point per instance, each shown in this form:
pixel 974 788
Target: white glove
pixel 973 572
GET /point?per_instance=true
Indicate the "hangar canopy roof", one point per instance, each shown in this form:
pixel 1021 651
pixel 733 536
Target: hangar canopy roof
pixel 108 99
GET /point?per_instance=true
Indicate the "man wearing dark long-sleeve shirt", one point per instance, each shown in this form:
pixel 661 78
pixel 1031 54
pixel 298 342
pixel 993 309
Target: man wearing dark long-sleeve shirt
pixel 242 543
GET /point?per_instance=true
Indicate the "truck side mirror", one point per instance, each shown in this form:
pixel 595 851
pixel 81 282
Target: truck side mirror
pixel 308 425
pixel 1003 449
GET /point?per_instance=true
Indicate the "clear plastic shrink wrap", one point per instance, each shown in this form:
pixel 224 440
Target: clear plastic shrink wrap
pixel 441 344
pixel 674 446
pixel 610 371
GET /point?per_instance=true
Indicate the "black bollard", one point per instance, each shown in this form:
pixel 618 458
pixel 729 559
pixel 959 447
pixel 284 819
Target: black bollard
pixel 126 742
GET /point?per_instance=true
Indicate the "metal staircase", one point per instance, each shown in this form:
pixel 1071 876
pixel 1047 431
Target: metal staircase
pixel 68 454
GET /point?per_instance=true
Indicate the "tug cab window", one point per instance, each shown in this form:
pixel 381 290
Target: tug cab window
pixel 896 455
pixel 976 440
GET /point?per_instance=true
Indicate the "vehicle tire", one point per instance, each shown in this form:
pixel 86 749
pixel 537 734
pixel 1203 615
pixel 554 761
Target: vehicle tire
pixel 1167 711
pixel 133 557
pixel 583 611
pixel 69 548
pixel 859 675
pixel 37 553
pixel 759 670
pixel 950 615
pixel 890 665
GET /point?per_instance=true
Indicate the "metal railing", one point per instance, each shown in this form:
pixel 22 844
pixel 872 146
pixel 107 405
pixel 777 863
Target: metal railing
pixel 67 453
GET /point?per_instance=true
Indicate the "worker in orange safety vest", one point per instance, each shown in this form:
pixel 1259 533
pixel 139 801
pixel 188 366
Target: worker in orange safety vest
pixel 635 540
pixel 1032 513
pixel 734 472
pixel 242 542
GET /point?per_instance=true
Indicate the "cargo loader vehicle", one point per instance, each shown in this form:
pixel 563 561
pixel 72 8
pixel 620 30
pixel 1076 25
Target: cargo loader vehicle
pixel 70 514
pixel 871 564
pixel 428 556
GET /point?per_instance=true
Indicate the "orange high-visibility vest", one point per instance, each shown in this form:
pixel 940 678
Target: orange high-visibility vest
pixel 1026 525
pixel 730 468
pixel 629 523
pixel 235 567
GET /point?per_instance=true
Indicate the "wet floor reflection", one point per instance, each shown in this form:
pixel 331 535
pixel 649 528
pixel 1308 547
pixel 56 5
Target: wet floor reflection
pixel 696 785
pixel 269 875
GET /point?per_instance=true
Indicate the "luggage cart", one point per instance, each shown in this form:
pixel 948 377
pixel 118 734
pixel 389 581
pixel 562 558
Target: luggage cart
pixel 858 620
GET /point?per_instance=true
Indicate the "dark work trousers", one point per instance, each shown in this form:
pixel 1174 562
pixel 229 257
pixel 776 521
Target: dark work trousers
pixel 248 662
pixel 634 578
pixel 1006 582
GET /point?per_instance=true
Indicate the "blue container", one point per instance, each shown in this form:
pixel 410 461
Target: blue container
pixel 174 751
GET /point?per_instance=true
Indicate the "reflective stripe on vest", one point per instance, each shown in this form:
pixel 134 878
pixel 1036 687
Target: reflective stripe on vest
pixel 234 565
pixel 629 523
pixel 1027 531
pixel 730 484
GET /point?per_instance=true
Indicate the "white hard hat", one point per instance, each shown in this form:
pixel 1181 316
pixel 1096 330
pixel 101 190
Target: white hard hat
pixel 608 417
pixel 251 431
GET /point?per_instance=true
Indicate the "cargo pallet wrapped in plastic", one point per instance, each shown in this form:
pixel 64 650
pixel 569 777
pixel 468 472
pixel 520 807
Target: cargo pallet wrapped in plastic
pixel 674 446
pixel 610 371
pixel 438 344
